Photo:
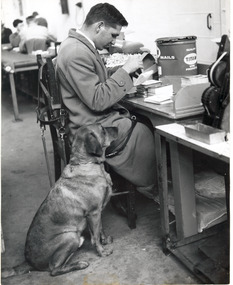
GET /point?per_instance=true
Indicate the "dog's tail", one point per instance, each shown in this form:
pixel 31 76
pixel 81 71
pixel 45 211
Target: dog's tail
pixel 20 269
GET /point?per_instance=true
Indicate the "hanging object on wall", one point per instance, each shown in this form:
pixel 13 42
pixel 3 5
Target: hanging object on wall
pixel 80 14
pixel 20 8
pixel 64 7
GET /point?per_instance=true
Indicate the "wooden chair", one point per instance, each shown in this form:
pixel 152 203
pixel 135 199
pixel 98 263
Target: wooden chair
pixel 35 44
pixel 51 112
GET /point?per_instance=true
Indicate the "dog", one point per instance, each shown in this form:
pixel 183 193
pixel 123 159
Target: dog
pixel 75 202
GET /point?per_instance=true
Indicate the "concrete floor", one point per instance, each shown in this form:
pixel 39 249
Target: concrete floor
pixel 137 258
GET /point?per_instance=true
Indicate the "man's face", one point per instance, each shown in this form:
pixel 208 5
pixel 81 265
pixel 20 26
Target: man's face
pixel 106 36
pixel 20 27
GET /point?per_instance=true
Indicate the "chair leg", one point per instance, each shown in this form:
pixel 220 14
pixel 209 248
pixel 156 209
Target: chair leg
pixel 131 208
pixel 128 190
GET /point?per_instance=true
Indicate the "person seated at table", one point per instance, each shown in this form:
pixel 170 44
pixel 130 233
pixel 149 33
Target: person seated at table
pixel 91 95
pixel 40 20
pixel 36 32
pixel 6 32
pixel 15 37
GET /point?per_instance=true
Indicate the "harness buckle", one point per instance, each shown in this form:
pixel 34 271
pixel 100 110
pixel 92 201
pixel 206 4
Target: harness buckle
pixel 63 117
pixel 62 132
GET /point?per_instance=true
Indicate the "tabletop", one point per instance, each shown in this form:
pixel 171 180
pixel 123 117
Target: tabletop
pixel 176 132
pixel 166 110
pixel 12 60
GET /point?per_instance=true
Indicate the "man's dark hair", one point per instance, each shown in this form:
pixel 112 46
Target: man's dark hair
pixel 16 22
pixel 34 14
pixel 107 13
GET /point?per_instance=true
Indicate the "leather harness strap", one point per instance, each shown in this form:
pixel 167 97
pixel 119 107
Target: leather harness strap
pixel 116 147
pixel 52 113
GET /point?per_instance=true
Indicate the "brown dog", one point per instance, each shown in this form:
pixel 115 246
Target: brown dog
pixel 76 200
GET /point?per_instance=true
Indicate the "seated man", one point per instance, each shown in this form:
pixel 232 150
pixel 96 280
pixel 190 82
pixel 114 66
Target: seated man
pixel 40 20
pixel 6 32
pixel 91 95
pixel 34 31
pixel 15 37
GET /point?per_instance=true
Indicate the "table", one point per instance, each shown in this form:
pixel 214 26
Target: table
pixel 181 148
pixel 168 131
pixel 13 62
pixel 161 114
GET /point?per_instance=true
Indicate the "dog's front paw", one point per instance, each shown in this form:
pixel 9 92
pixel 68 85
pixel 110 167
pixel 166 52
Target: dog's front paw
pixel 106 239
pixel 7 272
pixel 105 252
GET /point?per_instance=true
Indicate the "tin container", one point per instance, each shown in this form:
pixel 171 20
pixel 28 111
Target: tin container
pixel 177 56
pixel 205 133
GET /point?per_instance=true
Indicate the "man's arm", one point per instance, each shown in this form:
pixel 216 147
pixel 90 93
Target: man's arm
pixel 89 81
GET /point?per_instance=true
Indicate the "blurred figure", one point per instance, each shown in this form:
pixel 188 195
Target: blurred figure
pixel 15 37
pixel 40 20
pixel 36 32
pixel 6 32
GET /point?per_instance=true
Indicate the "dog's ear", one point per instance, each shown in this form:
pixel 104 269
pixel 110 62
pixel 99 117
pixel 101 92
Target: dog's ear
pixel 92 145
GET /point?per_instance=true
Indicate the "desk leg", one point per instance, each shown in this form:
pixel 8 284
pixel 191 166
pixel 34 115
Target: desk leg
pixel 227 189
pixel 161 161
pixel 184 191
pixel 14 97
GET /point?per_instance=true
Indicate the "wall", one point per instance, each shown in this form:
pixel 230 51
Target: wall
pixel 148 19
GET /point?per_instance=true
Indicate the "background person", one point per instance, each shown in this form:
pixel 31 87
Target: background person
pixel 6 32
pixel 15 37
pixel 40 20
pixel 34 31
pixel 92 96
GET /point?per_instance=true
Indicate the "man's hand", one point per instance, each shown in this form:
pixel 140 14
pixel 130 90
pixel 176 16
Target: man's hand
pixel 133 63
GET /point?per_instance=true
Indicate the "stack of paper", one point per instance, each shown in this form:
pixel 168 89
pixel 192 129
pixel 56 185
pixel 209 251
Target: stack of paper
pixel 160 90
pixel 160 95
pixel 142 89
pixel 158 99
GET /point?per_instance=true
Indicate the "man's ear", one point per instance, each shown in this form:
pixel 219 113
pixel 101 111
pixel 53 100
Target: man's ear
pixel 99 26
pixel 92 145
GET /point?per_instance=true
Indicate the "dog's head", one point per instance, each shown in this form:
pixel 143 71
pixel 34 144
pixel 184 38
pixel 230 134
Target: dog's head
pixel 90 142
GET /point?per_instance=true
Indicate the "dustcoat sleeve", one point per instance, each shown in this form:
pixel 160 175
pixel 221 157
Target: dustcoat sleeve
pixel 88 78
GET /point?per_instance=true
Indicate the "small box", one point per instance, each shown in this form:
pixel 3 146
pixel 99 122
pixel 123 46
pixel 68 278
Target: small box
pixel 205 133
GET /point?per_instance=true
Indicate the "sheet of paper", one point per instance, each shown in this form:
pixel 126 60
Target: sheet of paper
pixel 143 77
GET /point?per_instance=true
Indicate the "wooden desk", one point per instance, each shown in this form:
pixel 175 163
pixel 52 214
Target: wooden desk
pixel 160 114
pixel 181 148
pixel 13 62
pixel 186 244
pixel 189 246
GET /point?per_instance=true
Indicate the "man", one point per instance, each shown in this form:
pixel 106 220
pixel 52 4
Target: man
pixel 15 37
pixel 91 95
pixel 6 32
pixel 40 20
pixel 34 32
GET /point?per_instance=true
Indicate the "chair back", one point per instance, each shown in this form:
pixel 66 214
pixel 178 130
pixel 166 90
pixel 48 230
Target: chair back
pixel 36 44
pixel 51 112
pixel 216 98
